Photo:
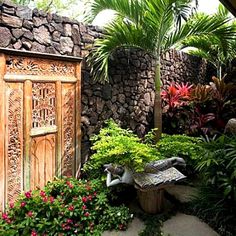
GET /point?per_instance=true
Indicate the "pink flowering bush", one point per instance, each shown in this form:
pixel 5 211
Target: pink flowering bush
pixel 63 207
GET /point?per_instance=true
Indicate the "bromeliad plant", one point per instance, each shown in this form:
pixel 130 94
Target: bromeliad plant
pixel 119 146
pixel 63 207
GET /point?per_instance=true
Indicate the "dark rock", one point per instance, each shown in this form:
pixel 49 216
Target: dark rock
pixel 11 21
pixel 85 120
pixel 141 130
pixel 230 127
pixel 58 27
pixel 28 24
pixel 86 38
pixel 17 45
pixel 8 10
pixel 5 38
pixel 52 50
pixel 27 45
pixel 38 47
pixel 75 32
pixel 107 91
pixel 147 99
pixel 56 36
pixel 66 45
pixel 76 51
pixel 121 98
pixel 17 33
pixel 100 105
pixel 29 35
pixel 24 12
pixel 67 30
pixel 42 35
pixel 38 21
pixel 57 18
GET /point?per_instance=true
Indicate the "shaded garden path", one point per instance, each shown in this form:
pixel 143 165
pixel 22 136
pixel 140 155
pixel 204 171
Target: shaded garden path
pixel 178 225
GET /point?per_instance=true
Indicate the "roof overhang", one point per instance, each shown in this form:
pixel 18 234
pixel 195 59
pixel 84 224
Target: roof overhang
pixel 231 5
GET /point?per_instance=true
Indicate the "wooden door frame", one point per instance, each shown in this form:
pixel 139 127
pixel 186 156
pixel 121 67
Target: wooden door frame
pixel 27 81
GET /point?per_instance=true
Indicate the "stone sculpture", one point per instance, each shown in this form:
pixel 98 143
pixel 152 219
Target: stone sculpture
pixel 155 173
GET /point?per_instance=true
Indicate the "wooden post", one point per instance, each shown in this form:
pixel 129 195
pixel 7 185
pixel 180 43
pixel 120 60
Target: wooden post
pixel 27 128
pixel 59 128
pixel 2 132
pixel 78 118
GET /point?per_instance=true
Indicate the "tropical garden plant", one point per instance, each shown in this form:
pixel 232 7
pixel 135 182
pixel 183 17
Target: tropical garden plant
pixel 64 207
pixel 120 147
pixel 152 26
pixel 218 51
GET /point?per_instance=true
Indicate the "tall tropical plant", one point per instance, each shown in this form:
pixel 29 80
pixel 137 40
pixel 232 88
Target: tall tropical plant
pixel 219 51
pixel 153 26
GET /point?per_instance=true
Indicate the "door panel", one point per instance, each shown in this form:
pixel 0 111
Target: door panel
pixel 42 160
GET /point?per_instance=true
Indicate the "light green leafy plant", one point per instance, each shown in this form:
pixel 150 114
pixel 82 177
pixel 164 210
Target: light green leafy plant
pixel 119 146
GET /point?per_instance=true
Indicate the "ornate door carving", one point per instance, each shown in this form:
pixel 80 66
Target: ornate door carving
pixel 40 120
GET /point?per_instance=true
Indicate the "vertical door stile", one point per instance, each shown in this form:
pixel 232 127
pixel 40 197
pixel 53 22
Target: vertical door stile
pixel 27 128
pixel 78 119
pixel 59 128
pixel 2 132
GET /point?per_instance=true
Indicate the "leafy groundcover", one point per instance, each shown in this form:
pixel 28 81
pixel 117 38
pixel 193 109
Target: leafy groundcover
pixel 64 207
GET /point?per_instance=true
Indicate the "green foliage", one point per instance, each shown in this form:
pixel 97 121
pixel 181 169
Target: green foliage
pixel 112 215
pixel 183 146
pixel 119 146
pixel 64 207
pixel 218 165
pixel 210 206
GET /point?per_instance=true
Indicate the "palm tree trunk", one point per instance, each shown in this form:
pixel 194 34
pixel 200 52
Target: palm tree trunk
pixel 157 101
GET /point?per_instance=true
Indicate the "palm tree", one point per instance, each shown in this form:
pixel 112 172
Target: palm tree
pixel 218 51
pixel 151 25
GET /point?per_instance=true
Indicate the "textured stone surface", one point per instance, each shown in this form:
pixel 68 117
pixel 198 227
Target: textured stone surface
pixel 128 98
pixel 230 127
pixel 10 20
pixel 5 37
pixel 186 225
pixel 42 35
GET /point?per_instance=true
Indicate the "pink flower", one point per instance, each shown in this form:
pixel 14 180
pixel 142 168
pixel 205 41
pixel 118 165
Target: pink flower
pixel 84 207
pixel 22 204
pixel 28 195
pixel 86 214
pixel 90 197
pixel 84 199
pixel 95 194
pixel 69 221
pixel 4 216
pixel 30 214
pixel 33 233
pixel 45 199
pixel 71 208
pixel 11 205
pixel 42 194
pixel 51 199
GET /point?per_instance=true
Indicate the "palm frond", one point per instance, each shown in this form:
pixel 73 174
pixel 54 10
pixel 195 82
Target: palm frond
pixel 132 10
pixel 118 34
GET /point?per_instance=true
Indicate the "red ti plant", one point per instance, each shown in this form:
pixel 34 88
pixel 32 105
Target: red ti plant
pixel 175 101
pixel 175 95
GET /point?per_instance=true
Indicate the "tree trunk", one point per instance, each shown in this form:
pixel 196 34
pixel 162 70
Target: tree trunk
pixel 157 101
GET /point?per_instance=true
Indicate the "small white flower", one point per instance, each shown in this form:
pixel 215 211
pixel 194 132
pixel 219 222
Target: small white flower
pixel 132 215
pixel 119 214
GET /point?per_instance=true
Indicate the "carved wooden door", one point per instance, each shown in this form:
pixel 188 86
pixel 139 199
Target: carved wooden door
pixel 40 120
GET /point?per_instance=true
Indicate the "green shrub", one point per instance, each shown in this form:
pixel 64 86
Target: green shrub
pixel 119 146
pixel 218 165
pixel 183 146
pixel 64 207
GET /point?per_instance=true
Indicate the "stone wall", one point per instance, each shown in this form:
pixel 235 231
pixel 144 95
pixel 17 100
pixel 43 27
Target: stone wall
pixel 129 96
